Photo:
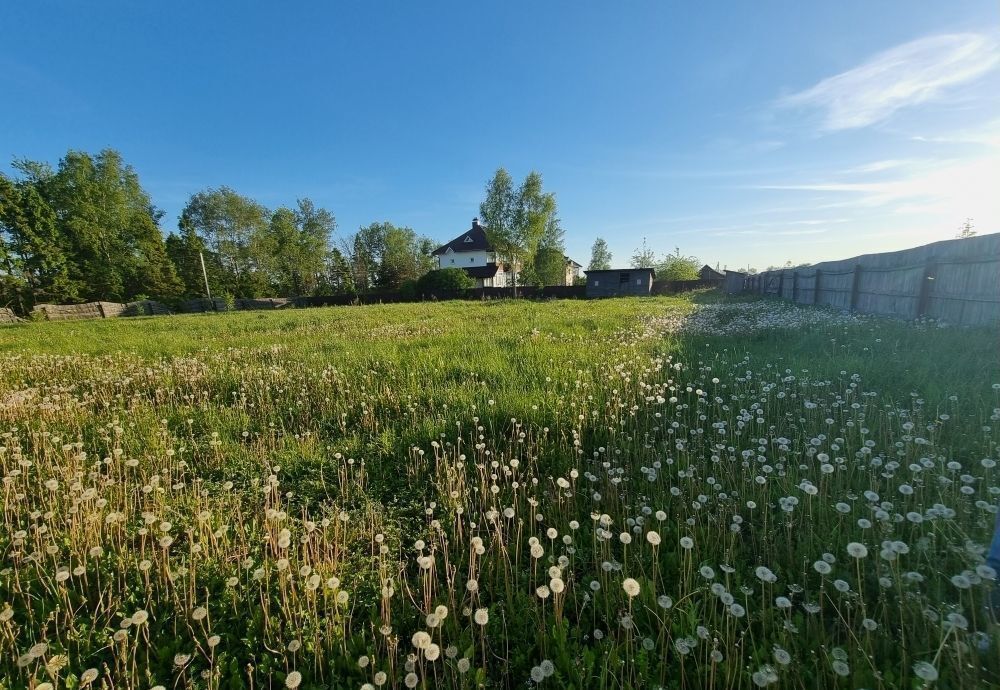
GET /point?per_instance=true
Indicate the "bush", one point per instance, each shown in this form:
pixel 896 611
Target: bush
pixel 408 290
pixel 444 279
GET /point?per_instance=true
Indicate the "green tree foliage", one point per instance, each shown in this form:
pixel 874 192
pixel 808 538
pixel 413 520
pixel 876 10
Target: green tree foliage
pixel 644 256
pixel 32 253
pixel 316 227
pixel 676 266
pixel 90 222
pixel 516 219
pixel 600 256
pixel 550 258
pixel 385 256
pixel 443 280
pixel 337 276
pixel 254 251
pixel 87 230
pixel 185 248
pixel 233 228
pixel 115 244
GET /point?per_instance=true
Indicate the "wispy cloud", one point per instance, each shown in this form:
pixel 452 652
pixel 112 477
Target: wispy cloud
pixel 986 134
pixel 880 166
pixel 946 192
pixel 909 74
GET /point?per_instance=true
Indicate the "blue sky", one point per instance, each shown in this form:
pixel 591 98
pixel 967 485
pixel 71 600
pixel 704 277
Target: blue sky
pixel 743 133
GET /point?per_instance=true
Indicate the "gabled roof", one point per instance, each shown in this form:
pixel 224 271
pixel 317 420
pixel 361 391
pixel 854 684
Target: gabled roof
pixel 570 262
pixel 472 240
pixel 487 271
pixel 708 271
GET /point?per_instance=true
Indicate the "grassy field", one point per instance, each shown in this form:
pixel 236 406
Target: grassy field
pixel 639 493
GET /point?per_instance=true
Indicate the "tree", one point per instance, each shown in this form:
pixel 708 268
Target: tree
pixel 550 258
pixel 32 253
pixel 644 257
pixel 600 256
pixel 186 250
pixel 516 220
pixel 405 257
pixel 677 267
pixel 316 227
pixel 965 230
pixel 386 256
pixel 337 276
pixel 498 212
pixel 104 226
pixel 232 227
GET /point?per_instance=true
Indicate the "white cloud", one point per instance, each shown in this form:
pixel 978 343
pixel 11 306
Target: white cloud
pixel 880 166
pixel 946 192
pixel 909 74
pixel 987 134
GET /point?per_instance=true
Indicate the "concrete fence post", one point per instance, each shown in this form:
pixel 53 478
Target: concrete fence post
pixel 926 288
pixel 855 286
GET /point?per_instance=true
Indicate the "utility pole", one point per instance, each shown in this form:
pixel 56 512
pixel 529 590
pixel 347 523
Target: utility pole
pixel 204 274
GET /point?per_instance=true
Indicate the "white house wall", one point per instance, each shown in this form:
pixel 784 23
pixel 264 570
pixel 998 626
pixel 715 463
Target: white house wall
pixel 466 259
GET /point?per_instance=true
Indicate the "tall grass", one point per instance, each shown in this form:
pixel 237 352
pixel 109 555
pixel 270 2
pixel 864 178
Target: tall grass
pixel 626 493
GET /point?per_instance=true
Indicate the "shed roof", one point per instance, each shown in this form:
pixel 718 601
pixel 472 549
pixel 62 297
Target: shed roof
pixel 621 270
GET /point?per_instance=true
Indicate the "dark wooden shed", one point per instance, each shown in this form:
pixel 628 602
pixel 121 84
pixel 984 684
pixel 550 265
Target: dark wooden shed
pixel 619 282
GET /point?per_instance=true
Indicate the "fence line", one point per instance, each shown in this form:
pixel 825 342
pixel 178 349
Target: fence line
pixel 957 281
pixel 106 310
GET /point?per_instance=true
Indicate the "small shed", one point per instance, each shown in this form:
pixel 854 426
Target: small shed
pixel 735 282
pixel 619 282
pixel 709 273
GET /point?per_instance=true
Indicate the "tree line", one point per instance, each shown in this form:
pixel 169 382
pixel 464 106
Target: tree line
pixel 86 230
pixel 675 266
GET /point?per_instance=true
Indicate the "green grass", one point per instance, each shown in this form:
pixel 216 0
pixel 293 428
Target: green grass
pixel 365 431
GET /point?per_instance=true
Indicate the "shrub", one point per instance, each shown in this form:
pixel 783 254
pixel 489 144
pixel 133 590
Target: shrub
pixel 444 279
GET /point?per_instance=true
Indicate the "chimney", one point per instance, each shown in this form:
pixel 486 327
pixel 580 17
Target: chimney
pixel 475 223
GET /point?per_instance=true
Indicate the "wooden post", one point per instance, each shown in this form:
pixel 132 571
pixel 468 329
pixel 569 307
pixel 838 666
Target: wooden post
pixel 795 286
pixel 819 274
pixel 781 284
pixel 855 285
pixel 926 286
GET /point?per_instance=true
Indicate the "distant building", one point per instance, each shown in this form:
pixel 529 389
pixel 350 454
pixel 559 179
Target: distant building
pixel 572 270
pixel 709 273
pixel 472 252
pixel 735 282
pixel 619 282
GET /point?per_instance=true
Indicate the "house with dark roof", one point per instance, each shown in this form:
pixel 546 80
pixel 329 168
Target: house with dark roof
pixel 472 252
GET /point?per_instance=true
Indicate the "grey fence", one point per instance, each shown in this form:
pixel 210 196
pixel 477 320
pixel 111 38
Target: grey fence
pixel 97 310
pixel 485 293
pixel 957 281
pixel 203 304
pixel 673 287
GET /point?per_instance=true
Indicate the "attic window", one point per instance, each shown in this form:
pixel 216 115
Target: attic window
pixel 467 239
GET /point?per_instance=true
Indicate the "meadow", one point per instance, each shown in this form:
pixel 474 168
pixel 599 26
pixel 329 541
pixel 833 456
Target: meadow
pixel 629 493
